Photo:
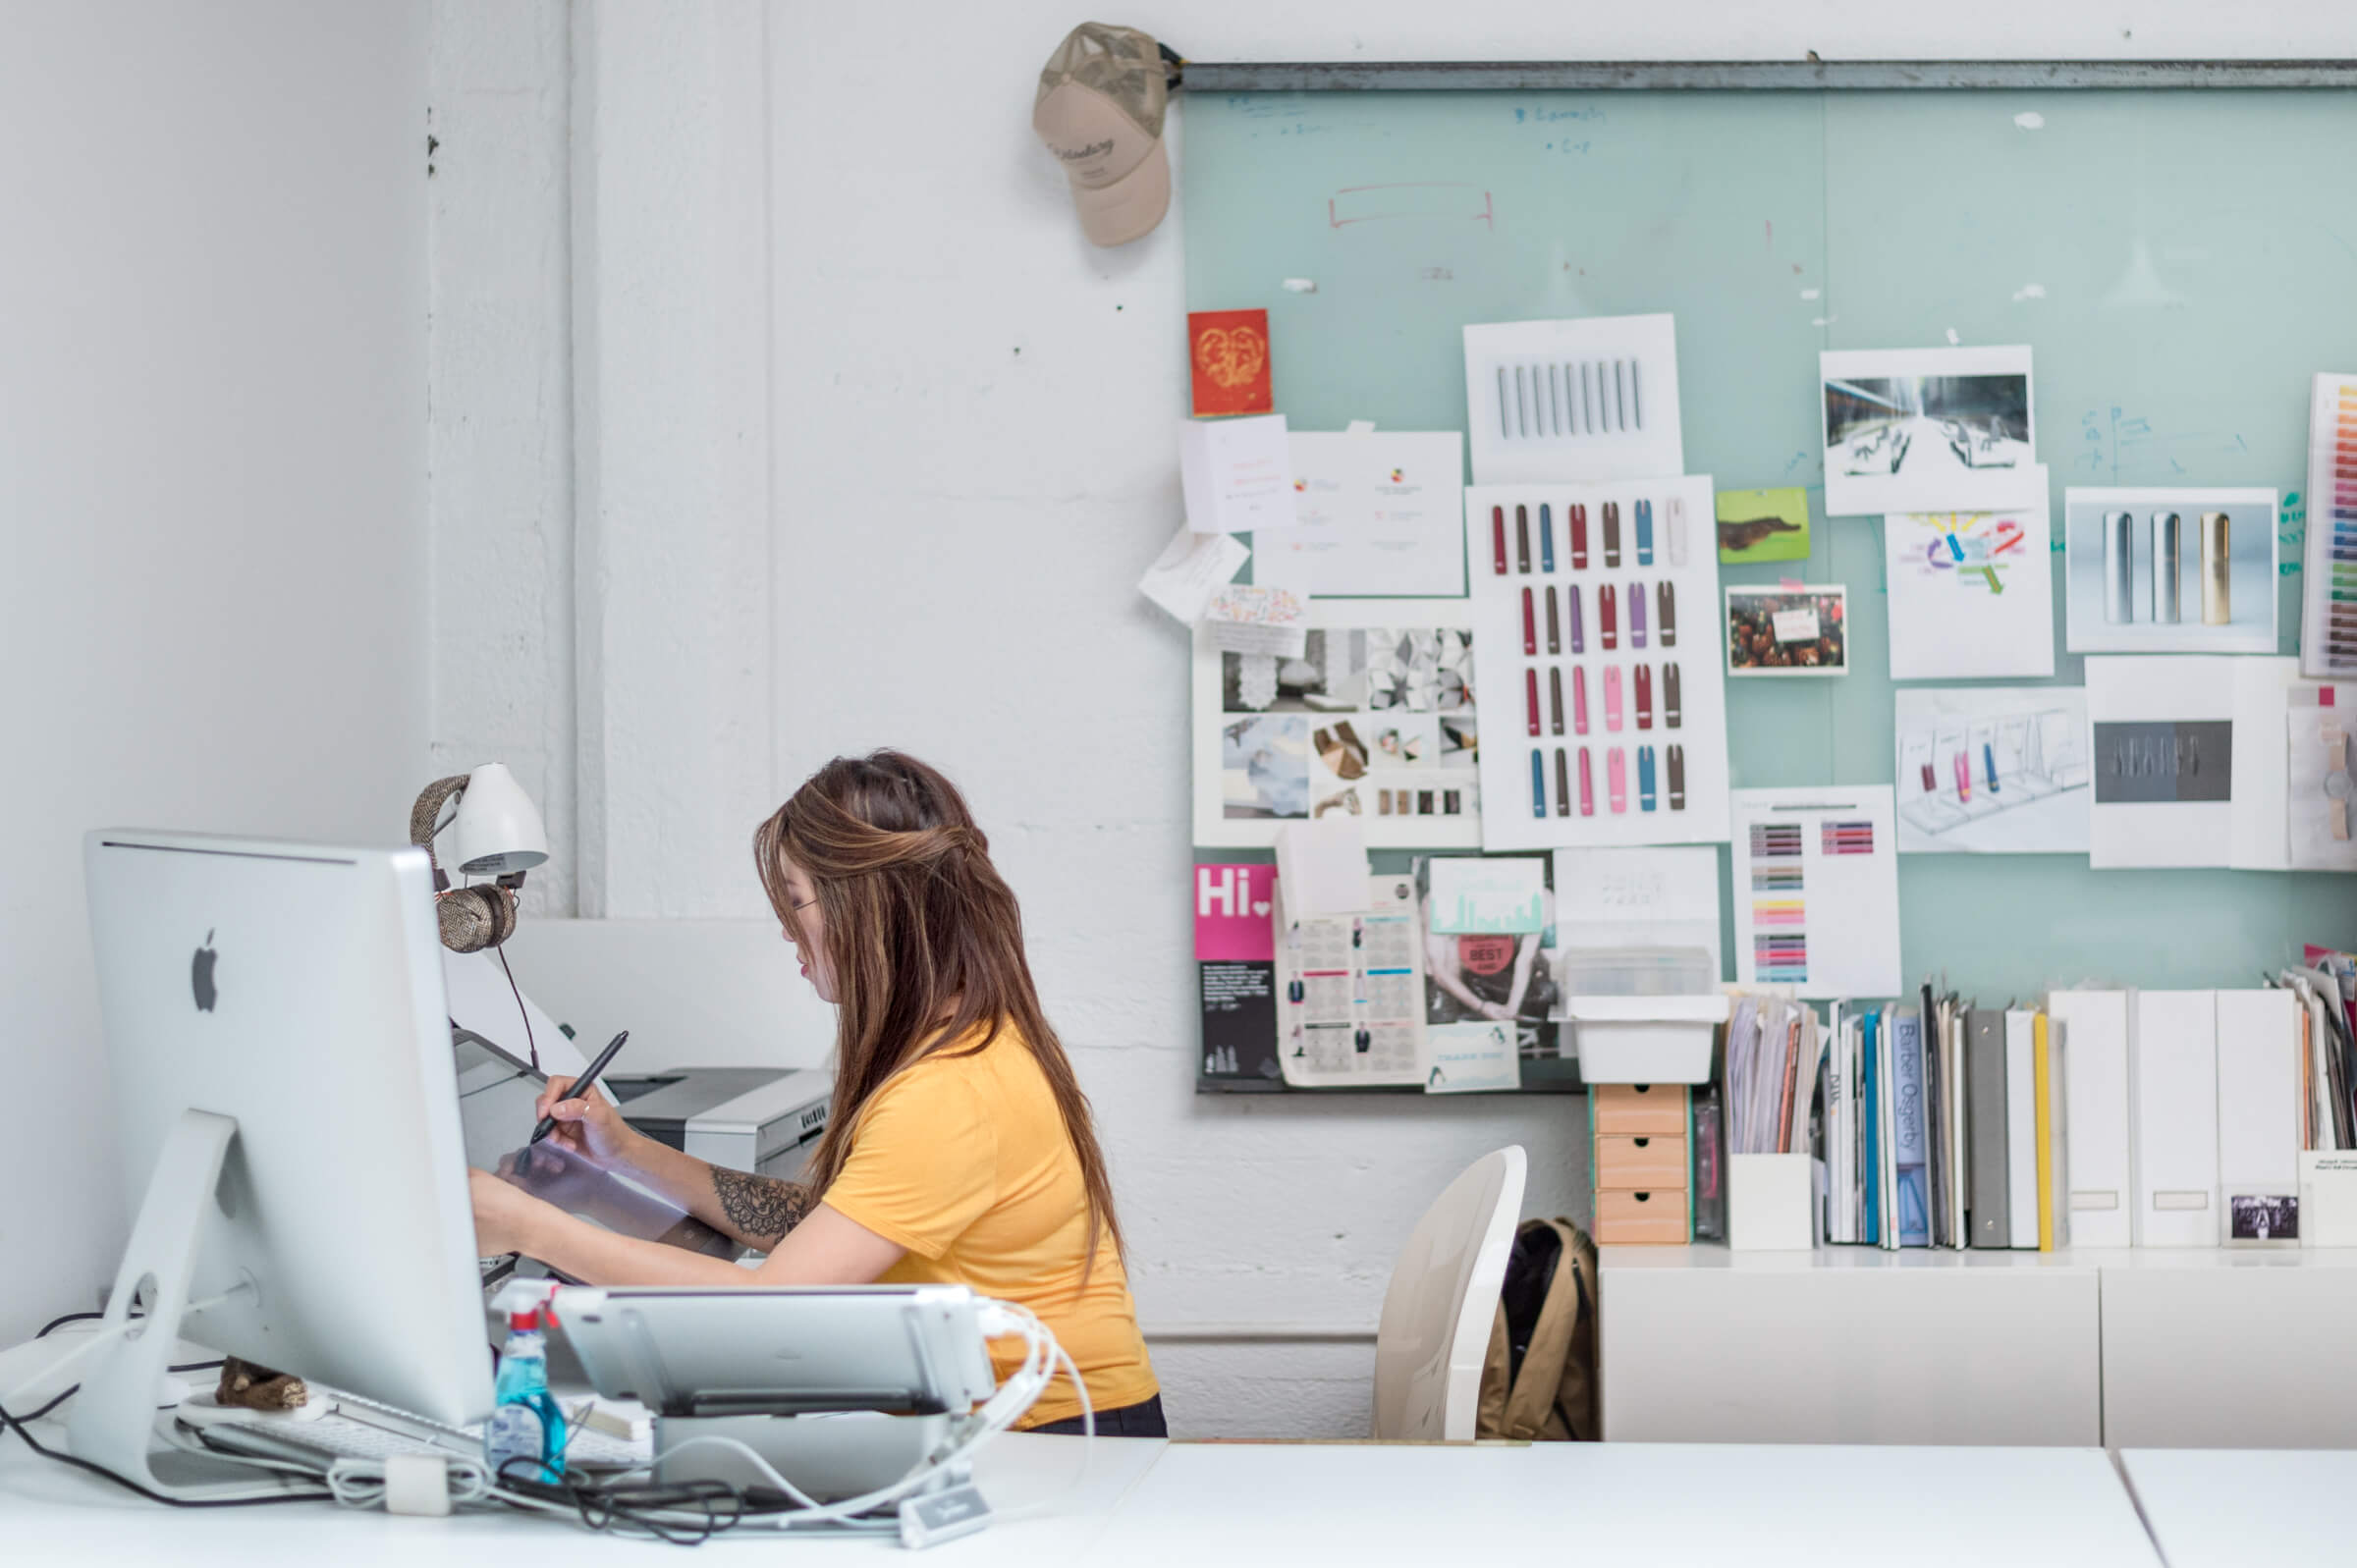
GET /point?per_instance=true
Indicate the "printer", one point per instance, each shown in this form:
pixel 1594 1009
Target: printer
pixel 762 1120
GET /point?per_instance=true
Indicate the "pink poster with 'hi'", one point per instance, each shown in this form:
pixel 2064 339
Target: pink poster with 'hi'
pixel 1231 914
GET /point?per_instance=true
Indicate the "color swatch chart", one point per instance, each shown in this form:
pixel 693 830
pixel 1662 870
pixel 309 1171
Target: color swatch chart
pixel 1596 611
pixel 1817 890
pixel 2329 618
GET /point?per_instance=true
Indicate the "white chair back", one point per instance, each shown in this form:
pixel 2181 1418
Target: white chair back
pixel 1442 1301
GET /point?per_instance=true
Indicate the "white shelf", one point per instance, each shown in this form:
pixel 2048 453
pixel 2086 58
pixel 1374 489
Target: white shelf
pixel 2219 1347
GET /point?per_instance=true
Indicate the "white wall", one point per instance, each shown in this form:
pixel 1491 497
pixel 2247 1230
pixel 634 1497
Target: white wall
pixel 967 412
pixel 213 607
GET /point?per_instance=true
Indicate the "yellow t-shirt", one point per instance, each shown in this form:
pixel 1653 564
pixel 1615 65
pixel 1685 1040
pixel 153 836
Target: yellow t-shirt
pixel 964 1160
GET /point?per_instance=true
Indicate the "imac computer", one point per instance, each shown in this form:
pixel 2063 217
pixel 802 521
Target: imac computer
pixel 281 1060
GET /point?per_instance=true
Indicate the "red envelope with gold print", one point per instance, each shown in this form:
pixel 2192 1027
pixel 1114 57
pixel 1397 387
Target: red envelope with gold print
pixel 1227 351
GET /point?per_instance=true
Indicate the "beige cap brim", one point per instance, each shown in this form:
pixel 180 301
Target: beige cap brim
pixel 1129 208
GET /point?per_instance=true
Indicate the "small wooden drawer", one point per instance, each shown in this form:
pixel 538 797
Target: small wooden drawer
pixel 1641 1218
pixel 1640 1109
pixel 1640 1164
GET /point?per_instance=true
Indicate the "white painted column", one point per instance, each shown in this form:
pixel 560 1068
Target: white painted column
pixel 500 427
pixel 671 409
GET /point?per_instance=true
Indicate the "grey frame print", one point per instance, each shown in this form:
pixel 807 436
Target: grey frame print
pixel 2114 542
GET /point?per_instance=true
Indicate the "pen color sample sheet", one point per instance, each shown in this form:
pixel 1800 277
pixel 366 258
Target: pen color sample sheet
pixel 1596 609
pixel 1817 890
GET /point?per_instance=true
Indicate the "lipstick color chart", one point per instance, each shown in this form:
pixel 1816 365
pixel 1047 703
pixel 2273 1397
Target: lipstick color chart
pixel 2328 619
pixel 1596 609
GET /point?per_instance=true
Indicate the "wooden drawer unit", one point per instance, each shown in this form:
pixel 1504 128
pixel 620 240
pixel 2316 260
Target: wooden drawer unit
pixel 1632 1164
pixel 1639 1109
pixel 1641 1150
pixel 1658 1217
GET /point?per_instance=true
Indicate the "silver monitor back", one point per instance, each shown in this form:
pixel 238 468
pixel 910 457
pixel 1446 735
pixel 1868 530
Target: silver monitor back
pixel 298 989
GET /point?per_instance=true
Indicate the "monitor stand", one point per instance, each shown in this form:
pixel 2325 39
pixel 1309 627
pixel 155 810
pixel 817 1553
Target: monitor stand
pixel 113 1418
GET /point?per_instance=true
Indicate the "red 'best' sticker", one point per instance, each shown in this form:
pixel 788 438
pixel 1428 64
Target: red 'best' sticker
pixel 1485 955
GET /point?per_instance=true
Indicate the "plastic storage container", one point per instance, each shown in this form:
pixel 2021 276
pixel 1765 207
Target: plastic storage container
pixel 1644 1039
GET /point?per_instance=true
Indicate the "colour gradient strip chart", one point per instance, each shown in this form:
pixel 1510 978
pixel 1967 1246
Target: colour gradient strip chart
pixel 1817 879
pixel 2329 593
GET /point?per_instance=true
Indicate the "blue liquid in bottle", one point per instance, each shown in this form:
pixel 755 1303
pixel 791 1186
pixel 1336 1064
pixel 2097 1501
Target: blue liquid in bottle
pixel 525 1421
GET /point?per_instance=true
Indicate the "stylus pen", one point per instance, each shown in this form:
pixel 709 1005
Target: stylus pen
pixel 1530 628
pixel 1554 623
pixel 1963 777
pixel 1988 760
pixel 1522 540
pixel 1562 785
pixel 1546 537
pixel 1555 697
pixel 1530 688
pixel 1579 537
pixel 581 1086
pixel 1538 782
pixel 1644 533
pixel 1498 532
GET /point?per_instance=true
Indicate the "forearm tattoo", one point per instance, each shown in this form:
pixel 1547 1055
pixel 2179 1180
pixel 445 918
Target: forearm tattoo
pixel 761 1207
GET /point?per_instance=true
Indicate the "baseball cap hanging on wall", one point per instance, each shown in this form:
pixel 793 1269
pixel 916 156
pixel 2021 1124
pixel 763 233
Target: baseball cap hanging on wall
pixel 1100 109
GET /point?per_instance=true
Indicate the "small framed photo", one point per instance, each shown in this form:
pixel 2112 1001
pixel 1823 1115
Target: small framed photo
pixel 1787 631
pixel 2263 1218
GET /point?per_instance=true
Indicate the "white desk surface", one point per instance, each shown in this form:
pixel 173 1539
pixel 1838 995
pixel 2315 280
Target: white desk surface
pixel 1754 1505
pixel 1240 1503
pixel 2229 1507
pixel 52 1513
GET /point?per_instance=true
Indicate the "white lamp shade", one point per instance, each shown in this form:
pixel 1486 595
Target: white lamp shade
pixel 497 830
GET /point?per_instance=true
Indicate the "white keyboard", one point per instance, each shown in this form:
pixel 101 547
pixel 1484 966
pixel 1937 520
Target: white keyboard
pixel 357 1429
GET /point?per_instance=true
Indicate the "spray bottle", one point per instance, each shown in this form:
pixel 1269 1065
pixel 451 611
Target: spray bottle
pixel 525 1423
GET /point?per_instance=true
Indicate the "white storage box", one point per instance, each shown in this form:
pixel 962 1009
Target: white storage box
pixel 1769 1206
pixel 1644 1039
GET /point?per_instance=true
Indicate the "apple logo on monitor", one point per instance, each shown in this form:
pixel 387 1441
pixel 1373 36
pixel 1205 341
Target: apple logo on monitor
pixel 200 975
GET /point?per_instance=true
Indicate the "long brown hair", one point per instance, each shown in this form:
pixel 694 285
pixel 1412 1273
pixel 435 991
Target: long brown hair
pixel 925 942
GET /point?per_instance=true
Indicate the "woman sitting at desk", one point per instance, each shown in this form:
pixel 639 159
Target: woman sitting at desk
pixel 958 1148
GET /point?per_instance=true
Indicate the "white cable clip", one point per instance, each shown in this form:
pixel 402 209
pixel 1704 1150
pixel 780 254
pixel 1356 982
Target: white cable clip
pixel 418 1484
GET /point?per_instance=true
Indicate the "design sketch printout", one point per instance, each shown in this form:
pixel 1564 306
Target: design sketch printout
pixel 1994 769
pixel 1972 593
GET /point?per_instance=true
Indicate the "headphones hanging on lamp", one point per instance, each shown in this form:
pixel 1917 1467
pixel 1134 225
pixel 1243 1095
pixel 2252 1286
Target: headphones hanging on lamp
pixel 495 832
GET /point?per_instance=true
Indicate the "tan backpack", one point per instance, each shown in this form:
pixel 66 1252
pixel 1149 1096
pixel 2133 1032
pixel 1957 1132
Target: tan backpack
pixel 1552 1394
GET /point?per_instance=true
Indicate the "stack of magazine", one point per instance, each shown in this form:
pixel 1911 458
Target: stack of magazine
pixel 1940 1124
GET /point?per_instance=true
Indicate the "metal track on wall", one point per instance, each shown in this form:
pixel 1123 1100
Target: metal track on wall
pixel 1760 75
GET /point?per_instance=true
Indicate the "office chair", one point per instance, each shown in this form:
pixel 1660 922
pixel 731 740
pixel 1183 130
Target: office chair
pixel 1440 1303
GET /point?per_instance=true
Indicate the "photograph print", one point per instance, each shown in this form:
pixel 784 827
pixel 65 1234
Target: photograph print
pixel 1925 429
pixel 1787 631
pixel 2170 571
